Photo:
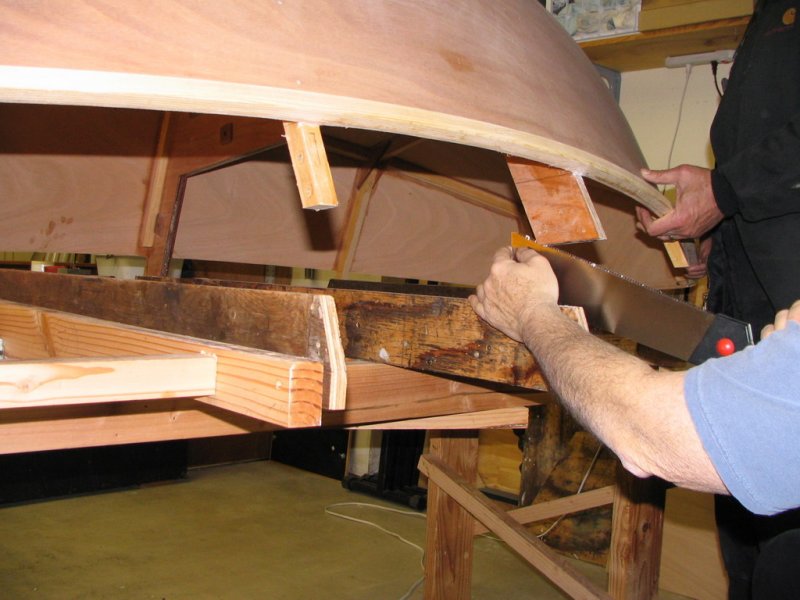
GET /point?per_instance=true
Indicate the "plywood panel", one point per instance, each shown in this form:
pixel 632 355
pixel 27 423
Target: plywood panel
pixel 252 213
pixel 73 179
pixel 416 232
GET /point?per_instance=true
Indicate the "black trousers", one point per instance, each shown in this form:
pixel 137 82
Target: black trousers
pixel 761 554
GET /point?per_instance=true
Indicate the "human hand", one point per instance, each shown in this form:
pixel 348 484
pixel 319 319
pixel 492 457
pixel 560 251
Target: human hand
pixel 782 318
pixel 696 211
pixel 519 281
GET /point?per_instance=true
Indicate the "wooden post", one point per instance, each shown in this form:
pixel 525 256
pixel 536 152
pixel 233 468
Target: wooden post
pixel 636 530
pixel 448 557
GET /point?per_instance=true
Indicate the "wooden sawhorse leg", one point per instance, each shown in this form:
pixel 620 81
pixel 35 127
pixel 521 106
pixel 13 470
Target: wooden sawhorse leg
pixel 636 533
pixel 448 559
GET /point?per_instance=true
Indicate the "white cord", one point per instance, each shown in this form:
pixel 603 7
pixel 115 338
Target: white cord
pixel 421 550
pixel 580 489
pixel 680 115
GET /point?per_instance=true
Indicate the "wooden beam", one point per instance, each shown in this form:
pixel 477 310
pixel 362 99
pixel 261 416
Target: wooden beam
pixel 89 425
pixel 554 567
pixel 288 322
pixel 310 164
pixel 557 203
pixel 52 382
pixel 556 508
pixel 281 389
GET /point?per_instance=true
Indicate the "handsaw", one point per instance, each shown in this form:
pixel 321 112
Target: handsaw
pixel 619 305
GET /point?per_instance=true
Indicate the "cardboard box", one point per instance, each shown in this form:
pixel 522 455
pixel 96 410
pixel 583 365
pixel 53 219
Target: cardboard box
pixel 660 14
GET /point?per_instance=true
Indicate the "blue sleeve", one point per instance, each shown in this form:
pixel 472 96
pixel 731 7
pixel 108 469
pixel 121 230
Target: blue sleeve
pixel 746 409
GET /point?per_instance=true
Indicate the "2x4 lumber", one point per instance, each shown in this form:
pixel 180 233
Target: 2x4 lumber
pixel 195 144
pixel 287 322
pixel 636 533
pixel 278 388
pixel 58 381
pixel 556 202
pixel 449 541
pixel 379 394
pixel 554 567
pixel 107 424
pixel 310 165
pixel 555 508
pixel 498 418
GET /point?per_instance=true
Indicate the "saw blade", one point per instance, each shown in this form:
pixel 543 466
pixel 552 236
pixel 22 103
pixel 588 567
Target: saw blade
pixel 619 305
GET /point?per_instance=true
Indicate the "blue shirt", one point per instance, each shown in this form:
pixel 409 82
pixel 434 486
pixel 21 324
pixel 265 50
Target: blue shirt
pixel 746 409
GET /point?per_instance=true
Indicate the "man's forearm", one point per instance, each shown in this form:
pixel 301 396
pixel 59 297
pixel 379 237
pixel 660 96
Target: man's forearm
pixel 638 412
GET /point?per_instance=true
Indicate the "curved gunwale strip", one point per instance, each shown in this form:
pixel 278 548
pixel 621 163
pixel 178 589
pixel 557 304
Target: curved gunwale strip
pixel 503 76
pixel 35 85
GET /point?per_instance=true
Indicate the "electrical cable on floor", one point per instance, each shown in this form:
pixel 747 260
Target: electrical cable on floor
pixel 328 511
pixel 680 115
pixel 580 489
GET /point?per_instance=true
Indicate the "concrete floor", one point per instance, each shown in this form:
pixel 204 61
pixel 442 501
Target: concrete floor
pixel 254 530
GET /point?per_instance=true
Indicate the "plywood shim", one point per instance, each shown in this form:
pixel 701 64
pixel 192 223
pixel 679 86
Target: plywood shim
pixel 557 203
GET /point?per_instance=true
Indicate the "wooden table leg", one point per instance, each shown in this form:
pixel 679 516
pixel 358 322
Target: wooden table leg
pixel 448 556
pixel 636 531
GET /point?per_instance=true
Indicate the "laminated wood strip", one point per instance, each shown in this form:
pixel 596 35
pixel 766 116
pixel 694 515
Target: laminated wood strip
pixel 58 381
pixel 284 390
pixel 293 323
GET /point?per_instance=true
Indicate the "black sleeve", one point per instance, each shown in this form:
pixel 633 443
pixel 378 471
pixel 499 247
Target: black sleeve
pixel 763 180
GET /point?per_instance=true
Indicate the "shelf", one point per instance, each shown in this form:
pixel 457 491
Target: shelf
pixel 649 50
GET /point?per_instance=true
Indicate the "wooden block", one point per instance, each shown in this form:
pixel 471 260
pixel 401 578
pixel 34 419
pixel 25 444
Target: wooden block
pixel 310 164
pixel 28 383
pixel 281 389
pixel 557 203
